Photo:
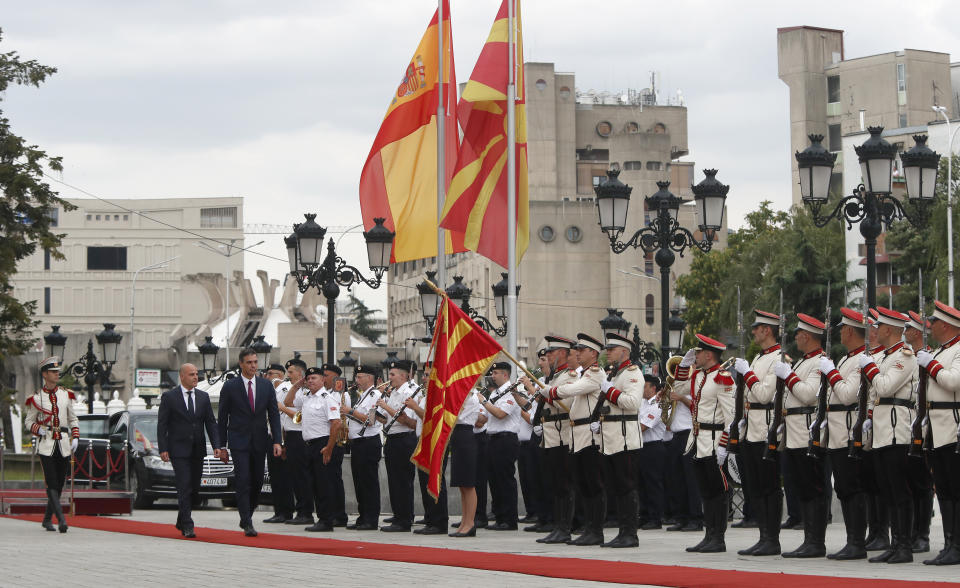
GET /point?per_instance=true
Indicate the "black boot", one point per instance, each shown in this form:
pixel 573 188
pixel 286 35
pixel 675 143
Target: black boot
pixel 759 505
pixel 855 520
pixel 887 553
pixel 595 512
pixel 57 510
pixel 879 520
pixel 814 530
pixel 627 512
pixel 708 528
pixel 718 512
pixel 773 505
pixel 902 552
pixel 562 519
pixel 922 511
pixel 950 556
pixel 48 515
pixel 947 508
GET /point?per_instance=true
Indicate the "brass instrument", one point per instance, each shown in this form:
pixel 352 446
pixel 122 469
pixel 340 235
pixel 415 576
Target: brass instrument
pixel 667 406
pixel 344 433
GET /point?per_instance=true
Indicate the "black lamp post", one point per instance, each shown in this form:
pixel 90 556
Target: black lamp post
pixel 385 363
pixel 262 349
pixel 429 300
pixel 676 327
pixel 871 203
pixel 614 323
pixel 91 369
pixel 663 235
pixel 304 248
pixel 459 294
pixel 641 352
pixel 348 365
pixel 208 356
pixel 55 342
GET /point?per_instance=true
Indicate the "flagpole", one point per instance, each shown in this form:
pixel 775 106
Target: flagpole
pixel 441 156
pixel 511 184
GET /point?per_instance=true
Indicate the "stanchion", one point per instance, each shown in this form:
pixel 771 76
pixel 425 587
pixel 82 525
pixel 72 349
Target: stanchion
pixel 109 466
pixel 33 458
pixel 90 459
pixel 3 473
pixel 126 466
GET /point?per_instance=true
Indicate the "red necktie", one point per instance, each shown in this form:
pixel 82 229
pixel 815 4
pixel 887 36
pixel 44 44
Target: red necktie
pixel 250 394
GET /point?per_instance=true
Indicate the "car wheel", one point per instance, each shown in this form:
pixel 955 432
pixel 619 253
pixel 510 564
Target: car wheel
pixel 140 499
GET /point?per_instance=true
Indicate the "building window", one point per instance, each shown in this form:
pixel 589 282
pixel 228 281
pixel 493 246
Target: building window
pixel 660 129
pixel 833 88
pixel 597 180
pixel 46 300
pixel 604 128
pixel 648 264
pixel 126 217
pixel 650 312
pixel 541 85
pixel 318 346
pixel 564 93
pixel 98 217
pixel 89 216
pixel 632 165
pixel 835 140
pixel 218 218
pixel 54 214
pixel 903 121
pixel 106 258
pixel 901 77
pixel 632 128
pixel 574 234
pixel 46 259
pixel 654 166
pixel 547 234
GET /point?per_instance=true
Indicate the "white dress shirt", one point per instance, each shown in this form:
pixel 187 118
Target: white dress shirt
pixel 469 411
pixel 186 398
pixel 318 410
pixel 367 405
pixel 286 421
pixel 506 403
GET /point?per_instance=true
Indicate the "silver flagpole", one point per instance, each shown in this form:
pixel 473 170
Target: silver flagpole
pixel 511 184
pixel 441 163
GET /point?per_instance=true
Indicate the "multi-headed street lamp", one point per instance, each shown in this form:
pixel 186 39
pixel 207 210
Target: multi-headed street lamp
pixel 89 367
pixel 459 294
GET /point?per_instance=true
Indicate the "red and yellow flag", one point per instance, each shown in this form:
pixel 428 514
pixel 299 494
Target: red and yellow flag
pixel 476 203
pixel 399 179
pixel 462 352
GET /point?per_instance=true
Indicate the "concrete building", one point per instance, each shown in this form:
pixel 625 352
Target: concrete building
pixel 834 96
pixel 569 276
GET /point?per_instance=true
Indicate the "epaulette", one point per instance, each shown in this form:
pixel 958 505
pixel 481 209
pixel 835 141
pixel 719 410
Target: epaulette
pixel 71 395
pixel 572 372
pixel 787 358
pixel 723 378
pixel 632 367
pixel 906 350
pixel 595 369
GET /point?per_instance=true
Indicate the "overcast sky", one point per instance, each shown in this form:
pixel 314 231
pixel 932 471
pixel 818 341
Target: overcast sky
pixel 279 102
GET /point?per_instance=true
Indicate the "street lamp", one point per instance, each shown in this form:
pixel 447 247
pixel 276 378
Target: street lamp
pixel 262 349
pixel 676 327
pixel 109 341
pixel 459 294
pixel 208 356
pixel 614 323
pixel 55 342
pixel 663 235
pixel 88 366
pixel 500 290
pixel 871 204
pixel 304 248
pixel 348 365
pixel 644 352
pixel 386 362
pixel 429 299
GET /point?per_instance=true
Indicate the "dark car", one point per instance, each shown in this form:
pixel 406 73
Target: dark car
pixel 91 454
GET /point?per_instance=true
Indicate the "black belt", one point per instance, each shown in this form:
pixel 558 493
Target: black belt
pixel 801 410
pixel 550 418
pixel 364 438
pixel 841 407
pixel 502 434
pixel 710 426
pixel 895 402
pixel 325 438
pixel 389 435
pixel 464 425
pixel 615 418
pixel 583 421
pixel 758 406
pixel 943 405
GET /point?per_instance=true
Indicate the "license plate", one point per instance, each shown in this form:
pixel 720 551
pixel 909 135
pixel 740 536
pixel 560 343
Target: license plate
pixel 213 481
pixel 266 488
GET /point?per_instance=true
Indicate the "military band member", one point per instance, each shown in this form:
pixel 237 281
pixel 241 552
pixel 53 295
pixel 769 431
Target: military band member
pixel 400 445
pixel 712 392
pixel 365 449
pixel 920 478
pixel 531 463
pixel 51 418
pixel 280 481
pixel 844 381
pixel 620 436
pixel 802 380
pixel 463 464
pixel 761 476
pixel 435 512
pixel 583 393
pixel 503 426
pixel 890 378
pixel 556 439
pixel 943 396
pixel 482 520
pixel 297 460
pixel 652 455
pixel 331 372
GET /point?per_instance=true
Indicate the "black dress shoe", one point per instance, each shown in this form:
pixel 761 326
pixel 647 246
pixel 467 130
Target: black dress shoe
pixel 364 527
pixel 298 520
pixel 49 526
pixel 503 527
pixel 482 524
pixel 319 527
pixel 389 520
pixel 62 527
pixel 651 525
pixel 745 524
pixel 249 531
pixel 539 528
pixel 277 518
pixel 395 528
pixel 790 523
pixel 677 526
pixel 420 522
pixel 692 526
pixel 528 518
pixel 429 530
pixel 455 525
pixel 189 534
pixel 471 533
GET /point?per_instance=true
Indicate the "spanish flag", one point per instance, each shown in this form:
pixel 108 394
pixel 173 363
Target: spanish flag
pixel 399 179
pixel 462 352
pixel 476 203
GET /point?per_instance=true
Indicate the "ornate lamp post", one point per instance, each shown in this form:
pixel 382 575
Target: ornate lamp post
pixel 348 365
pixel 459 294
pixel 614 323
pixel 262 349
pixel 91 369
pixel 208 356
pixel 663 235
pixel 55 342
pixel 304 249
pixel 429 300
pixel 871 203
pixel 642 352
pixel 676 327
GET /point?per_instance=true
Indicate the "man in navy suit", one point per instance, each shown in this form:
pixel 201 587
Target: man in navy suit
pixel 247 404
pixel 184 414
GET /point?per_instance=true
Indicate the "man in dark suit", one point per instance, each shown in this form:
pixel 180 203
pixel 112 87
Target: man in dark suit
pixel 247 404
pixel 184 414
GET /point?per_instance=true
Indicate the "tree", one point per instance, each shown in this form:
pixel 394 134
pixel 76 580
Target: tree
pixel 25 218
pixel 774 251
pixel 362 323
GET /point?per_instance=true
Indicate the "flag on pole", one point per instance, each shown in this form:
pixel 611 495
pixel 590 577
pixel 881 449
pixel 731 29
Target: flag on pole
pixel 462 352
pixel 476 202
pixel 399 178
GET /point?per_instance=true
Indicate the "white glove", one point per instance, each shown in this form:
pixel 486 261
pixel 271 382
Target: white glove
pixel 812 426
pixel 924 358
pixel 538 430
pixel 688 358
pixel 73 445
pixel 867 425
pixel 864 360
pixel 742 425
pixel 741 366
pixel 826 366
pixel 782 369
pixel 721 455
pixel 606 385
pixel 595 427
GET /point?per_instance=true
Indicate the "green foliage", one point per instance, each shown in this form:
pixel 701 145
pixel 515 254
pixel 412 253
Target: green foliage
pixel 362 321
pixel 773 251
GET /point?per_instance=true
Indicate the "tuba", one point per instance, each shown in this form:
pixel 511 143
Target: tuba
pixel 667 406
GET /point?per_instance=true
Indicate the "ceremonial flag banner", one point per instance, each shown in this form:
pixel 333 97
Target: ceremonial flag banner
pixel 476 203
pixel 399 179
pixel 462 352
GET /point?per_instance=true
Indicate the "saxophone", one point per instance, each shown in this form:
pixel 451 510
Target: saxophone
pixel 344 434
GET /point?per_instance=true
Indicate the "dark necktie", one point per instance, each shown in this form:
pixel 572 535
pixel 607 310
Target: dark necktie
pixel 250 395
pixel 190 402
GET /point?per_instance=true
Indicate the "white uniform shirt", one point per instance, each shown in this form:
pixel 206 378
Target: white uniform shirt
pixel 286 421
pixel 318 409
pixel 682 418
pixel 650 412
pixel 366 404
pixel 526 429
pixel 469 411
pixel 486 423
pixel 508 404
pixel 395 402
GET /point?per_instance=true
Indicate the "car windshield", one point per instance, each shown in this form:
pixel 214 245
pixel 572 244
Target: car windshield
pixel 144 430
pixel 94 428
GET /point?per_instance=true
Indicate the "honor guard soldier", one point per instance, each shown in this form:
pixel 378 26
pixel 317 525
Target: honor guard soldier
pixel 620 435
pixel 844 381
pixel 584 393
pixel 400 445
pixel 761 476
pixel 712 392
pixel 320 412
pixel 890 385
pixel 533 475
pixel 556 439
pixel 920 478
pixel 365 449
pixel 51 418
pixel 943 397
pixel 503 425
pixel 298 461
pixel 802 381
pixel 878 513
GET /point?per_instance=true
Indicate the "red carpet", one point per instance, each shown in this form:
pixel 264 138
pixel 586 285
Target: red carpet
pixel 553 567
